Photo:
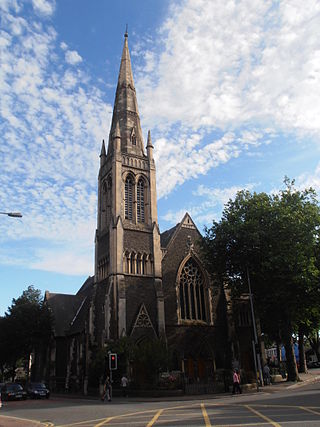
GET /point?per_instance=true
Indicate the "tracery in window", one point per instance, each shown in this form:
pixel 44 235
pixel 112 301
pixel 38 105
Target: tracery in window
pixel 140 200
pixel 192 292
pixel 128 198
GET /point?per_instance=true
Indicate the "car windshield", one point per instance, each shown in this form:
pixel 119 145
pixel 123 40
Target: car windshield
pixel 14 387
pixel 37 385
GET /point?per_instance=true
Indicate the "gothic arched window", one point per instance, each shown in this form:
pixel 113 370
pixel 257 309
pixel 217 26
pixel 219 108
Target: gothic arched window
pixel 108 199
pixel 128 198
pixel 192 292
pixel 140 200
pixel 133 137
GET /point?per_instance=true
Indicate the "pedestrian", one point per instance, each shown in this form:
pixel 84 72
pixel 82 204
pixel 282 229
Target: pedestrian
pixel 124 385
pixel 106 390
pixel 236 382
pixel 266 374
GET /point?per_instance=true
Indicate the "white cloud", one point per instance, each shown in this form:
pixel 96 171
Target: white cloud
pixel 72 57
pixel 208 203
pixel 224 64
pixel 311 179
pixel 185 158
pixel 64 261
pixel 44 7
pixel 230 76
pixel 247 70
pixel 6 5
pixel 53 121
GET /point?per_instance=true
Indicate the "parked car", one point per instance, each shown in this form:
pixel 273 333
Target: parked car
pixel 38 390
pixel 13 391
pixel 1 385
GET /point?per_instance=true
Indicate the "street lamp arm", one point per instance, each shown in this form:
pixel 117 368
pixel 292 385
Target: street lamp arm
pixel 13 214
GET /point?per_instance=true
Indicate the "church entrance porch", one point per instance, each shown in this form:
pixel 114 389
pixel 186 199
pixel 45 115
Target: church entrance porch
pixel 198 375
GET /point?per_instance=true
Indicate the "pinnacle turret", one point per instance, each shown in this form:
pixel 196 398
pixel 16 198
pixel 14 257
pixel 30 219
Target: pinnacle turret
pixel 149 142
pixel 103 153
pixel 103 149
pixel 149 146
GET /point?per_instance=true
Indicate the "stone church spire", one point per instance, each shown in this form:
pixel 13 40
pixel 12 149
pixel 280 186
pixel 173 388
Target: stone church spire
pixel 128 253
pixel 125 111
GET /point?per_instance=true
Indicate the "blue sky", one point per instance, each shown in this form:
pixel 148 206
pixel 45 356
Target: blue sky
pixel 229 89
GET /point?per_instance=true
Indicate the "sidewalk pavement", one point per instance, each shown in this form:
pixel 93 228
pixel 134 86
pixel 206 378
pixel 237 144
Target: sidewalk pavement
pixel 6 421
pixel 310 377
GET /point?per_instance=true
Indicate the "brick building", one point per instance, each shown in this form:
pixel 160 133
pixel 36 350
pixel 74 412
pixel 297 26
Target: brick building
pixel 146 285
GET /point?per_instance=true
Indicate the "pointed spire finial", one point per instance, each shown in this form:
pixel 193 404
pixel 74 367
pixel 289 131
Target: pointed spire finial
pixel 126 33
pixel 103 156
pixel 103 149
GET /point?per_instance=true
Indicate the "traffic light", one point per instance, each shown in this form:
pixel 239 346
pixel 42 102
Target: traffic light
pixel 113 361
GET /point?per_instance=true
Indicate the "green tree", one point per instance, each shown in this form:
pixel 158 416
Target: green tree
pixel 145 360
pixel 28 326
pixel 274 237
pixel 149 358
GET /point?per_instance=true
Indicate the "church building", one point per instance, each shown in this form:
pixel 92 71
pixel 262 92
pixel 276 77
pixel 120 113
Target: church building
pixel 147 285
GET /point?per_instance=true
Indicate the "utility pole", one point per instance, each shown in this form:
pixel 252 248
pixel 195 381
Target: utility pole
pixel 255 343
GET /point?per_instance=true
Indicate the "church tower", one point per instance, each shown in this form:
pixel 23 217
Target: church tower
pixel 128 256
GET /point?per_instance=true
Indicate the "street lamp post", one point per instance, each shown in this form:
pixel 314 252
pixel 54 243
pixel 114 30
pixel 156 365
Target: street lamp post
pixel 255 343
pixel 13 214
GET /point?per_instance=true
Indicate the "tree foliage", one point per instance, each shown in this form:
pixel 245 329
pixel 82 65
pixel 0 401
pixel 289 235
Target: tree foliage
pixel 26 326
pixel 145 360
pixel 275 239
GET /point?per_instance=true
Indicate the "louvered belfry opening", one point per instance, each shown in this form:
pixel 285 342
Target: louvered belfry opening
pixel 140 201
pixel 128 198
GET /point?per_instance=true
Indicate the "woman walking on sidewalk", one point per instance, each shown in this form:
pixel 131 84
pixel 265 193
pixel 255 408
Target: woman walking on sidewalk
pixel 236 382
pixel 106 390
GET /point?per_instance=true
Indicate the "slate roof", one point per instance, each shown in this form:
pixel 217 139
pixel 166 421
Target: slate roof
pixel 64 308
pixel 85 288
pixel 166 236
pixel 78 322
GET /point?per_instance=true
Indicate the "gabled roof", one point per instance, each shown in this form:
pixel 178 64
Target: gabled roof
pixel 77 324
pixel 86 285
pixel 64 308
pixel 167 236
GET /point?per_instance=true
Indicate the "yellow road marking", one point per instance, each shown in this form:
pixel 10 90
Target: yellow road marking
pixel 128 415
pixel 154 419
pixel 309 410
pixel 105 421
pixel 205 415
pixel 260 405
pixel 187 405
pixel 242 425
pixel 262 416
